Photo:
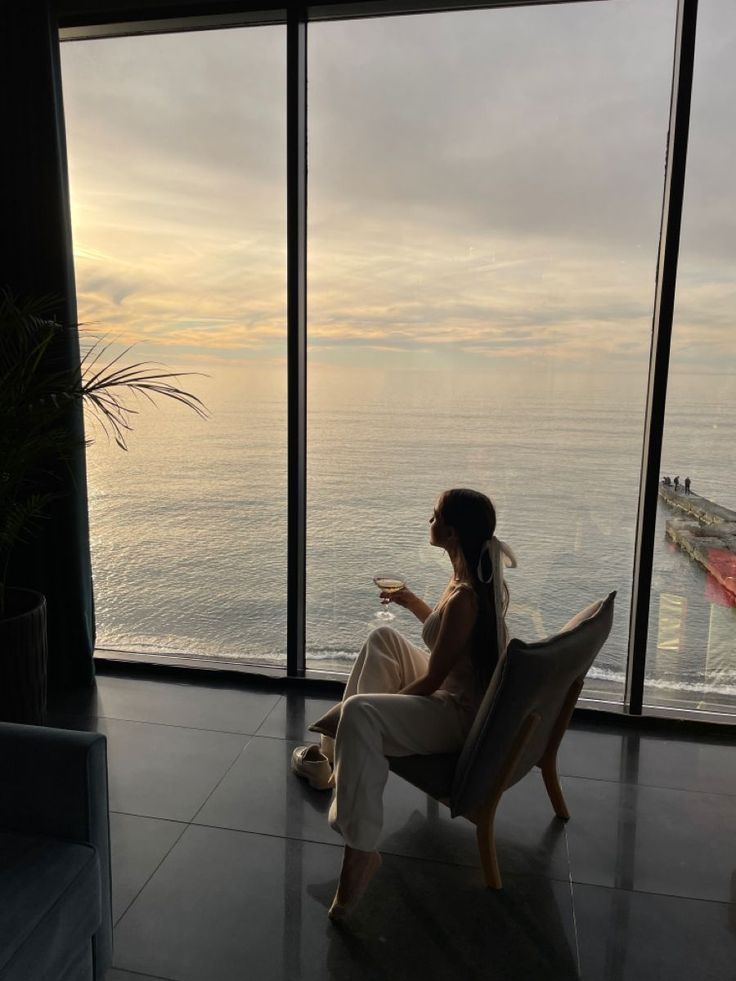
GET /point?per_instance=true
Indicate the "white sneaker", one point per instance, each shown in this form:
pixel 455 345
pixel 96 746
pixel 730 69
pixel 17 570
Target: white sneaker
pixel 312 764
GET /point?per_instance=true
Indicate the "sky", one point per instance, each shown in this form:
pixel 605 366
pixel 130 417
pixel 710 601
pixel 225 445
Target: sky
pixel 485 190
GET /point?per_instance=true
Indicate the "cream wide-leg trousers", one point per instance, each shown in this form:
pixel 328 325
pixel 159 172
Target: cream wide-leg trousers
pixel 376 723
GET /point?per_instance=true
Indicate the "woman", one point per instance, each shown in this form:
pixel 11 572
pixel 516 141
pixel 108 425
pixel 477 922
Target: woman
pixel 400 700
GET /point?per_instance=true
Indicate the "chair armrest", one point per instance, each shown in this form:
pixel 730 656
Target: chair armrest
pixel 53 782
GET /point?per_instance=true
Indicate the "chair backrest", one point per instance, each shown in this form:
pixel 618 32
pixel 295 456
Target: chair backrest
pixel 529 678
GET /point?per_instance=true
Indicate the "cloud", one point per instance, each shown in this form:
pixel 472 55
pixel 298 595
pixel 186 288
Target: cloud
pixel 482 185
pixel 550 121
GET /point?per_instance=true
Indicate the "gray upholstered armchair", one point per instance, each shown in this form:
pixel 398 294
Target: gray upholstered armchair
pixel 520 724
pixel 55 902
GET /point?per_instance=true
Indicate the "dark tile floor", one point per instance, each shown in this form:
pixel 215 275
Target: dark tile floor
pixel 224 864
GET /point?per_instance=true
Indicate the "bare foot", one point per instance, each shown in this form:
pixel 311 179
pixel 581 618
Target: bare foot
pixel 327 725
pixel 358 868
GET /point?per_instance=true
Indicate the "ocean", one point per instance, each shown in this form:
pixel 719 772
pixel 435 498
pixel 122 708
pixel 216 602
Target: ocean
pixel 188 527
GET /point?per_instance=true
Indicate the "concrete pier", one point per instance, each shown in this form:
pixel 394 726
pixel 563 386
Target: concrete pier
pixel 706 531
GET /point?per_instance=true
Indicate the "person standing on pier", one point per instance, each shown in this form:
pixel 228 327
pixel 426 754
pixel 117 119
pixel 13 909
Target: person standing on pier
pixel 687 485
pixel 677 484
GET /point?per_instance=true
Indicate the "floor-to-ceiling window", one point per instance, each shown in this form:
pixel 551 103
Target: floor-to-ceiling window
pixel 691 661
pixel 176 149
pixel 485 191
pixel 484 200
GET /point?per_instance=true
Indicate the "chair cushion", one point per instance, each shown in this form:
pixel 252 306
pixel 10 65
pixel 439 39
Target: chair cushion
pixel 585 614
pixel 50 905
pixel 432 773
pixel 529 678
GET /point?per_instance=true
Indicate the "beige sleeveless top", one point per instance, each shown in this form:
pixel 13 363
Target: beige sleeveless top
pixel 459 685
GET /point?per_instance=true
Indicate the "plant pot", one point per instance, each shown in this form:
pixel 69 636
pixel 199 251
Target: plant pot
pixel 23 657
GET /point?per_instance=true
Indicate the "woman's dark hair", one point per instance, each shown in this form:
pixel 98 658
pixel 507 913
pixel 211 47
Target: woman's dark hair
pixel 473 517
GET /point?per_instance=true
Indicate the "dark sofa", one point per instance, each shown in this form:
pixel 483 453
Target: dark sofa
pixel 55 898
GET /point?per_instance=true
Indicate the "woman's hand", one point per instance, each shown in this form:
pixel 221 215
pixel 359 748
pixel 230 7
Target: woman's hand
pixel 410 601
pixel 404 597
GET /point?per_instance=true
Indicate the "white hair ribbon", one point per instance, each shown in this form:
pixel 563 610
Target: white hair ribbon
pixel 500 555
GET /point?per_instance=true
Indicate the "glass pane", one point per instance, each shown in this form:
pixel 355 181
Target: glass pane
pixel 177 168
pixel 691 661
pixel 485 194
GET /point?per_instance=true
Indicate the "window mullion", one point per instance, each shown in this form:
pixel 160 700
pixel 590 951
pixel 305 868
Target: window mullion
pixel 296 207
pixel 669 245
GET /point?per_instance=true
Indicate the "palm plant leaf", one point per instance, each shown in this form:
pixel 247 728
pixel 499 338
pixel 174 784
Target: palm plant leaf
pixel 37 396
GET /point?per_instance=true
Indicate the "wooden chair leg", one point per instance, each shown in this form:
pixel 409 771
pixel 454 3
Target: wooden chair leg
pixel 552 783
pixel 548 761
pixel 486 837
pixel 484 816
